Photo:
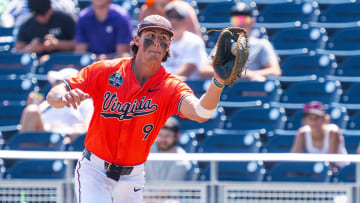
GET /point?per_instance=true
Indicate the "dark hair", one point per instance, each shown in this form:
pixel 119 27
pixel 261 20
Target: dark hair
pixel 39 7
pixel 172 124
pixel 134 48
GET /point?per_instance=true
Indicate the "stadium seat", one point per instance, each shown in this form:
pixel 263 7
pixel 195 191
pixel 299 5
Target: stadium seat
pixel 61 60
pixel 285 15
pixel 350 98
pixel 236 171
pixel 187 125
pixel 298 93
pixel 249 94
pixel 345 42
pixel 18 64
pixel 340 15
pixel 231 143
pixel 6 47
pixel 346 174
pixel 278 144
pixel 77 144
pixel 35 141
pixel 302 66
pixel 352 142
pixel 354 121
pixel 298 40
pixel 258 119
pixel 214 14
pixel 37 169
pixel 10 115
pixel 299 172
pixel 16 89
pixel 348 70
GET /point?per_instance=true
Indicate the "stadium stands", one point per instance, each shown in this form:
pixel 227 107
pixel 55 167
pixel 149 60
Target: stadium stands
pixel 318 42
pixel 36 141
pixel 299 172
pixel 37 169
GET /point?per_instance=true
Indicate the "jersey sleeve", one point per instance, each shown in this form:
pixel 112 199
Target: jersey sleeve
pixel 181 91
pixel 85 80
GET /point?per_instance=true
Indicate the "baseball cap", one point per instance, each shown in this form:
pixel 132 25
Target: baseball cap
pixel 155 21
pixel 314 107
pixel 55 76
pixel 179 7
pixel 242 8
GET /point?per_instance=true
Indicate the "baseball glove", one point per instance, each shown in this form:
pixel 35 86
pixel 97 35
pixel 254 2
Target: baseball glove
pixel 231 54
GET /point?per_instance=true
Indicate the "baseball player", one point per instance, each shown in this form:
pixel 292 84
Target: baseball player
pixel 133 98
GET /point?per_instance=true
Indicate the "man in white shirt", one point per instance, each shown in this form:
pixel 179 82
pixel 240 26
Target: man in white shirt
pixel 38 115
pixel 188 57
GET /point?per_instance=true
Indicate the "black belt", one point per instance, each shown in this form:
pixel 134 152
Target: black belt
pixel 113 171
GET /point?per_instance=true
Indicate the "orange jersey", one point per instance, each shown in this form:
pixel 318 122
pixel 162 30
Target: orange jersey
pixel 127 117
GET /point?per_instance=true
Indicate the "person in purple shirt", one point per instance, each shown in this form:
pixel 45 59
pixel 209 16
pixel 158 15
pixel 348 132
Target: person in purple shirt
pixel 104 29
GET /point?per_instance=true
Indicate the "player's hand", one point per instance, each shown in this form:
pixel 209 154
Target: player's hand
pixel 74 98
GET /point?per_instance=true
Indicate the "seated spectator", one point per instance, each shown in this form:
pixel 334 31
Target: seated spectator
pixel 151 7
pixel 188 57
pixel 38 115
pixel 17 11
pixel 167 143
pixel 262 60
pixel 317 135
pixel 104 28
pixel 46 31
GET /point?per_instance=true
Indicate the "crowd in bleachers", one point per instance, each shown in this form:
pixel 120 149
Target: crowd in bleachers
pixel 317 49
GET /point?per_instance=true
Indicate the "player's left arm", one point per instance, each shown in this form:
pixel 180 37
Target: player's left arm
pixel 201 110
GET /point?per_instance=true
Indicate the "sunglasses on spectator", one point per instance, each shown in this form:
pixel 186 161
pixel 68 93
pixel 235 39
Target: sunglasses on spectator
pixel 240 21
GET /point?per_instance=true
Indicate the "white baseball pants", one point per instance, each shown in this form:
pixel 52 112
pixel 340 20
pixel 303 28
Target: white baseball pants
pixel 92 185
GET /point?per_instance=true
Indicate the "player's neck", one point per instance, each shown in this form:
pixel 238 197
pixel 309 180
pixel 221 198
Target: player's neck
pixel 143 70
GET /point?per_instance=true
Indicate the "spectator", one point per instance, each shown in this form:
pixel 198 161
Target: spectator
pixel 46 31
pixel 40 116
pixel 166 142
pixel 263 60
pixel 189 59
pixel 151 7
pixel 104 28
pixel 318 135
pixel 17 11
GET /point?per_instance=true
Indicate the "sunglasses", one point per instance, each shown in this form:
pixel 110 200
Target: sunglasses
pixel 240 21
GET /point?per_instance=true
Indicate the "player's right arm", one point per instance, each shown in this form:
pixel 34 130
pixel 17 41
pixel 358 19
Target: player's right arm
pixel 60 96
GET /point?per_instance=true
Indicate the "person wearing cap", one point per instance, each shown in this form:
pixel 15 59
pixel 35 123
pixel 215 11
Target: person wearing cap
pixel 39 116
pixel 104 29
pixel 166 142
pixel 47 31
pixel 262 61
pixel 133 98
pixel 317 135
pixel 189 59
pixel 157 7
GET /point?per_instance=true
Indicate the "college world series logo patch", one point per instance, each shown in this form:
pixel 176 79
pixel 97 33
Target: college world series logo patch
pixel 116 80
